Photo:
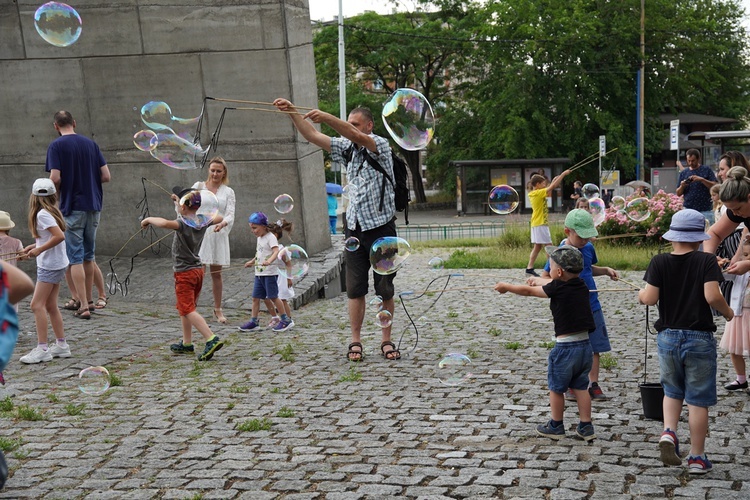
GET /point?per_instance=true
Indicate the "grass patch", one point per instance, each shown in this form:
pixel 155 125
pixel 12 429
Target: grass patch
pixel 239 389
pixel 26 412
pixel 495 332
pixel 255 424
pixel 607 361
pixel 114 380
pixel 286 352
pixel 285 412
pixel 275 390
pixel 9 444
pixel 511 251
pixel 351 376
pixel 73 409
pixel 6 404
pixel 513 345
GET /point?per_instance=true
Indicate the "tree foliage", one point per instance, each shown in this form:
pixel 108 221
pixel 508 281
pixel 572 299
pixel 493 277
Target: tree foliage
pixel 546 78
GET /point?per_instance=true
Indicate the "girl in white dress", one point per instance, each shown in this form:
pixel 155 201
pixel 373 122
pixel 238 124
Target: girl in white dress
pixel 214 252
pixel 736 338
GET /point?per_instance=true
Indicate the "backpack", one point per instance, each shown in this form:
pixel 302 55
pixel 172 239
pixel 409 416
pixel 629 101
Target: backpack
pixel 401 184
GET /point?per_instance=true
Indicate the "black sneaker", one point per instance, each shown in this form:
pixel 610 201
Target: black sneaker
pixel 182 348
pixel 211 347
pixel 550 431
pixel 531 272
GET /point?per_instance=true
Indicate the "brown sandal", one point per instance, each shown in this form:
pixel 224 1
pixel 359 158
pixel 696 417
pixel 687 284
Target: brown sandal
pixel 359 353
pixel 82 314
pixel 101 302
pixel 393 354
pixel 72 305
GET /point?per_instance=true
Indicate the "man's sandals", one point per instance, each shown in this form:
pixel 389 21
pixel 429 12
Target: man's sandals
pixel 355 356
pixel 392 354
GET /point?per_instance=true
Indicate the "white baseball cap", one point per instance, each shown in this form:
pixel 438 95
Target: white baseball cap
pixel 43 187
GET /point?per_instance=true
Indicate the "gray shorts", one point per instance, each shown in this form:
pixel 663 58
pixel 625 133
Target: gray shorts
pixel 48 276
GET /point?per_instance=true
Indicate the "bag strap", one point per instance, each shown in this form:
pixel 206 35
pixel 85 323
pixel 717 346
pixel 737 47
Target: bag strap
pixel 374 164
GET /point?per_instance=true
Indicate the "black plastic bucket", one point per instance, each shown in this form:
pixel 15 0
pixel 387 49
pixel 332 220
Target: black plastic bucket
pixel 652 397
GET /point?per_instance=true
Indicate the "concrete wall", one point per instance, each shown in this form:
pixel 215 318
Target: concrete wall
pixel 131 52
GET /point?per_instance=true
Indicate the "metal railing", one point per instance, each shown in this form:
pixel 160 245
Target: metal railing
pixel 426 232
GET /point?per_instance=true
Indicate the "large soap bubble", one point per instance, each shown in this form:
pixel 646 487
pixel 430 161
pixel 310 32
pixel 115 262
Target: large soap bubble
pixel 145 140
pixel 503 199
pixel 388 254
pixel 409 119
pixel 201 208
pixel 638 209
pixel 174 151
pixel 283 203
pixel 157 115
pixel 597 210
pixel 590 191
pixel 297 262
pixel 454 369
pixel 58 24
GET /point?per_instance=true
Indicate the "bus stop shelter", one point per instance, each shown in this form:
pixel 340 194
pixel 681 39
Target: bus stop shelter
pixel 475 179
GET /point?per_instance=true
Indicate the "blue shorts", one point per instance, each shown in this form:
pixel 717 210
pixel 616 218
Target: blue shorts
pixel 80 235
pixel 599 338
pixel 54 276
pixel 568 366
pixel 687 361
pixel 265 287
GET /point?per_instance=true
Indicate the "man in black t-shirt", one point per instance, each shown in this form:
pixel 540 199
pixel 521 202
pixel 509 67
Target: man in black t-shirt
pixel 569 362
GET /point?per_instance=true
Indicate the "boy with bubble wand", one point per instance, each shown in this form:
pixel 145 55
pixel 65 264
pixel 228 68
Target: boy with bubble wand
pixel 579 230
pixel 188 270
pixel 570 360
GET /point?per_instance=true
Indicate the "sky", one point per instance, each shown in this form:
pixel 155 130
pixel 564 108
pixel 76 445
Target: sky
pixel 325 10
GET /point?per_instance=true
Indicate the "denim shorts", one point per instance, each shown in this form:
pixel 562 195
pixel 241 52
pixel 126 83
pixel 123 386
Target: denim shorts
pixel 266 287
pixel 687 361
pixel 568 366
pixel 80 235
pixel 599 338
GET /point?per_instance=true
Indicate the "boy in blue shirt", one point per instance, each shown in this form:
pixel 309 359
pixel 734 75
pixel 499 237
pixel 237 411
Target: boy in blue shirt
pixel 579 229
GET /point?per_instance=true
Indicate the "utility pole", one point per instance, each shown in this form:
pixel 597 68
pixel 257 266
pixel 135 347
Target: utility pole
pixel 641 99
pixel 342 79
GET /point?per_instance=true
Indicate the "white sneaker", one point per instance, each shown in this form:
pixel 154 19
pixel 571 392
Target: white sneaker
pixel 37 355
pixel 58 351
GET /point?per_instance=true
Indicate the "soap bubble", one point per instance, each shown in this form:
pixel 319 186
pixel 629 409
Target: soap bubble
pixel 597 210
pixel 157 115
pixel 208 208
pixel 388 254
pixel 422 321
pixel 384 319
pixel 637 209
pixel 283 203
pixel 176 152
pixel 296 261
pixel 350 191
pixel 375 303
pixel 503 199
pixel 590 191
pixel 352 243
pixel 436 263
pixel 145 140
pixel 409 119
pixel 93 380
pixel 454 369
pixel 618 203
pixel 58 24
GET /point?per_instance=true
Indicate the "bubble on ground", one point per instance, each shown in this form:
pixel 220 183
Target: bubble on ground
pixel 454 369
pixel 436 264
pixel 94 380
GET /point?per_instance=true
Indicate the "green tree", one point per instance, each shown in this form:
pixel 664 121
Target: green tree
pixel 560 73
pixel 409 49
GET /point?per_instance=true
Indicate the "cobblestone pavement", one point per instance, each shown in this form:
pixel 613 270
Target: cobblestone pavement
pixel 286 416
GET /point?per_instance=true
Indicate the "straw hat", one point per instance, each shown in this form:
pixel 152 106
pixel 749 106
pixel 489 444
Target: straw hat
pixel 5 222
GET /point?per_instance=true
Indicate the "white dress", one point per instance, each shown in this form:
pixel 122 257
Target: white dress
pixel 215 247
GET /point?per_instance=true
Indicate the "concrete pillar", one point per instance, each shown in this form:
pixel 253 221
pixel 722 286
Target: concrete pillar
pixel 131 52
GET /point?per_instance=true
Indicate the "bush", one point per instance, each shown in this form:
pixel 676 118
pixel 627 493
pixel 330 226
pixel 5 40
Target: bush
pixel 661 207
